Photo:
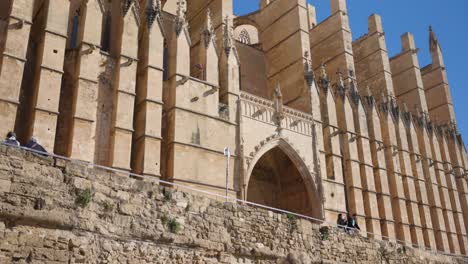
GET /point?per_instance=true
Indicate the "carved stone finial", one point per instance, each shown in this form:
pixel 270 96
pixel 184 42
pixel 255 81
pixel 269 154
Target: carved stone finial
pixel 383 98
pixel 324 81
pixel 405 108
pixel 340 88
pixel 340 81
pixel 126 4
pixel 433 41
pixel 323 72
pixel 392 100
pixel 369 98
pixel 368 91
pixel 228 34
pixel 153 12
pixel 278 98
pixel 308 71
pixel 208 32
pixel 180 20
pixel 352 81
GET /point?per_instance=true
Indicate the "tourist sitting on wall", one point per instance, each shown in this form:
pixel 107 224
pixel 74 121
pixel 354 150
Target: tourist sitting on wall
pixel 34 145
pixel 353 224
pixel 11 139
pixel 341 221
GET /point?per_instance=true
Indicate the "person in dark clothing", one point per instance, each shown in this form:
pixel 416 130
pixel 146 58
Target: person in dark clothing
pixel 341 221
pixel 34 145
pixel 11 139
pixel 352 223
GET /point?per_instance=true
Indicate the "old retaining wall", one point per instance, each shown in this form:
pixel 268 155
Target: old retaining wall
pixel 47 215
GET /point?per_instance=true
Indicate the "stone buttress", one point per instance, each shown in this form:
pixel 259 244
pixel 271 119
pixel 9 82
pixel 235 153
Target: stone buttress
pixel 16 21
pixel 146 143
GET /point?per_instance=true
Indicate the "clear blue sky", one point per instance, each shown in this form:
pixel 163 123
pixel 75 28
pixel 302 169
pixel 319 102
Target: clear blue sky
pixel 449 20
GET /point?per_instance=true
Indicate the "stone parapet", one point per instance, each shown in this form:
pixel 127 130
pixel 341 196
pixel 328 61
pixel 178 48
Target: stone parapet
pixel 47 216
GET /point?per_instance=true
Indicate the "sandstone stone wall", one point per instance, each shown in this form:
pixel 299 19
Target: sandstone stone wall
pixel 47 216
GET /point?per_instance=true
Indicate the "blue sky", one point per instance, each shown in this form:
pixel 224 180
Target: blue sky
pixel 449 20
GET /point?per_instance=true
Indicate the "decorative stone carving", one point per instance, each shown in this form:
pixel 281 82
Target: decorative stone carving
pixel 340 88
pixel 153 12
pixel 208 33
pixel 308 71
pixel 278 101
pixel 134 5
pixel 180 21
pixel 228 35
pixel 324 81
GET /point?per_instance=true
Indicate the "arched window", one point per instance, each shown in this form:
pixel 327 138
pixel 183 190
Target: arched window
pixel 244 37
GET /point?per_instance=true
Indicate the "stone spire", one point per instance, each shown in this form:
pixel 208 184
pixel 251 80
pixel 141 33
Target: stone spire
pixel 228 35
pixel 208 32
pixel 435 49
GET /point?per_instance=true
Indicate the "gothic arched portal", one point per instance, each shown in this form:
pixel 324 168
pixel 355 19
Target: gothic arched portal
pixel 277 181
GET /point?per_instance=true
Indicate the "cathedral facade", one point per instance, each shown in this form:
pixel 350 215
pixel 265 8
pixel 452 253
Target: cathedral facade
pixel 316 123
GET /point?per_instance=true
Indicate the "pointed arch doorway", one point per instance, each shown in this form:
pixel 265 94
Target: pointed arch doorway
pixel 280 179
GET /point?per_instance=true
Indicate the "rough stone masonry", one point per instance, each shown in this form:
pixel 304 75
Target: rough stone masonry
pixel 318 122
pixel 56 211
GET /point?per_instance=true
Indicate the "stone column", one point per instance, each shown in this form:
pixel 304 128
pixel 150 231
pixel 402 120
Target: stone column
pixel 76 134
pixel 459 170
pixel 146 158
pixel 333 181
pixel 454 199
pixel 384 199
pixel 127 22
pixel 432 188
pixel 229 71
pixel 444 193
pixel 349 148
pixel 40 93
pixel 410 179
pixel 404 155
pixel 421 189
pixel 390 126
pixel 17 16
pixel 369 190
pixel 178 44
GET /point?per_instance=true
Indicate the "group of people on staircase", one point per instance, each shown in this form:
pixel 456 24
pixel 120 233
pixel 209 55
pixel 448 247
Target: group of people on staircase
pixel 32 144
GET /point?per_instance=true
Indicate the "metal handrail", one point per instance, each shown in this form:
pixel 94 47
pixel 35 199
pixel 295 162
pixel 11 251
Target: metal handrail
pixel 237 200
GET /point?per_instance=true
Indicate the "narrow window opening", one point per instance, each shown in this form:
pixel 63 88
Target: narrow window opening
pixel 106 32
pixel 75 29
pixel 165 62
